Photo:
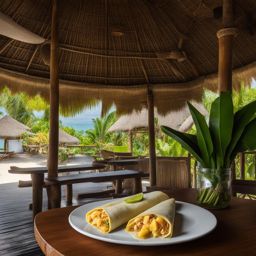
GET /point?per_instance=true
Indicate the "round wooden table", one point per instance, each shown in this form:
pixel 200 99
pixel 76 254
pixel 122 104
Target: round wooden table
pixel 234 234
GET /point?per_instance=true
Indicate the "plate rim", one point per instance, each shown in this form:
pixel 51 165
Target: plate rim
pixel 142 242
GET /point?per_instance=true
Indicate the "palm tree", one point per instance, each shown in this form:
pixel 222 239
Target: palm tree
pixel 16 106
pixel 99 135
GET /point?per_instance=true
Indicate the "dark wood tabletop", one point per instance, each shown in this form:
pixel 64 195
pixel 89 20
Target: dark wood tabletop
pixel 121 162
pixel 44 169
pixel 234 234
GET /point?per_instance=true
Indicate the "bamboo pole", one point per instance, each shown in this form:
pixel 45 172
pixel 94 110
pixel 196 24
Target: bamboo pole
pixel 151 129
pixel 54 108
pixel 226 36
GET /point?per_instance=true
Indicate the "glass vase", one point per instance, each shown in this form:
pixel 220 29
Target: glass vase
pixel 214 187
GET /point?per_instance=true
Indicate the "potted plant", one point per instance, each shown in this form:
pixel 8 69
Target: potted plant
pixel 216 145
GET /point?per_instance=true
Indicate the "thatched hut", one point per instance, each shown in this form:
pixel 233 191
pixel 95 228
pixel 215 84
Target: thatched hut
pixel 138 121
pixel 11 129
pixel 65 138
pixel 145 53
pixel 180 120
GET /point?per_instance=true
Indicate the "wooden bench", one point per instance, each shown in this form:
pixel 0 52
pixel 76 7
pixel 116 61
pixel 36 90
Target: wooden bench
pixel 244 187
pixel 117 176
pixel 38 182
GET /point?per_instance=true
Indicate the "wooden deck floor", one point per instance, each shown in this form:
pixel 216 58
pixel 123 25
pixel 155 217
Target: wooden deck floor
pixel 16 226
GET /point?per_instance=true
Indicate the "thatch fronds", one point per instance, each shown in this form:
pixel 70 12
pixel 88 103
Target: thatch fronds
pixel 74 97
pixel 11 128
pixel 65 138
pixel 179 119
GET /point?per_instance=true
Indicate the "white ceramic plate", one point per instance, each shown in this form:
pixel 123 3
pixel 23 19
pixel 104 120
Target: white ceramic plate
pixel 191 222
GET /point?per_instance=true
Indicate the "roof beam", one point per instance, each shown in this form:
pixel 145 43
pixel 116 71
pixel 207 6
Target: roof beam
pixel 6 45
pixel 111 56
pixel 32 57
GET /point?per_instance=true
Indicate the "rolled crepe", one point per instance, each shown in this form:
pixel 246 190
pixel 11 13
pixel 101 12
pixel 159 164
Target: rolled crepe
pixel 112 215
pixel 157 221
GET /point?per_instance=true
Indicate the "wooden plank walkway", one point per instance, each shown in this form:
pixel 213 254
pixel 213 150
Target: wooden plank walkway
pixel 16 226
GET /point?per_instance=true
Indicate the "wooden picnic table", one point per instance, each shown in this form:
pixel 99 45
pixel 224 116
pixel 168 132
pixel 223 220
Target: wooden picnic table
pixel 125 162
pixel 121 162
pixel 37 177
pixel 234 234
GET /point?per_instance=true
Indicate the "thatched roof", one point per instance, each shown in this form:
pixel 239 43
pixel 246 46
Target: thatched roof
pixel 11 128
pixel 65 138
pixel 112 46
pixel 132 121
pixel 180 120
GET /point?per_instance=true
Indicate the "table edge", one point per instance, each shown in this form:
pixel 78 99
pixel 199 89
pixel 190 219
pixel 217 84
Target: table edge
pixel 21 170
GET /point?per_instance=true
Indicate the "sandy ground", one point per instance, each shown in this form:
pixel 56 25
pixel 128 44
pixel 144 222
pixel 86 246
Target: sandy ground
pixel 28 160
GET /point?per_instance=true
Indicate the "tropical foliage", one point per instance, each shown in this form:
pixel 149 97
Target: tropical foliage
pixel 99 134
pixel 40 138
pixel 16 107
pixel 216 145
pixel 167 146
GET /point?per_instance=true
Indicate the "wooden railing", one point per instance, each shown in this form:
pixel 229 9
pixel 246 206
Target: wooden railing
pixel 247 188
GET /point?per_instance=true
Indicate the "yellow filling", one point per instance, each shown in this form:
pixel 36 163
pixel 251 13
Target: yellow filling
pixel 99 219
pixel 149 226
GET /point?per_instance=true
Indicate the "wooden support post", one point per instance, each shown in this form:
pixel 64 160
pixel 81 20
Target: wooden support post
pixel 137 185
pixel 225 36
pixel 119 187
pixel 131 141
pixel 37 193
pixel 254 163
pixel 242 166
pixel 6 145
pixel 69 194
pixel 151 129
pixel 54 108
pixel 48 191
pixel 233 177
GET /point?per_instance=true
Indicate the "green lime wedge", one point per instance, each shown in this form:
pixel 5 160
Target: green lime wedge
pixel 134 199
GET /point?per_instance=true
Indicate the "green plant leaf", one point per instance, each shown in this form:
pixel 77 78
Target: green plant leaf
pixel 221 125
pixel 188 141
pixel 241 120
pixel 248 138
pixel 203 136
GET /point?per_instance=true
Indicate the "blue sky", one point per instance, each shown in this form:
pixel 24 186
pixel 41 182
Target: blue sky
pixel 83 120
